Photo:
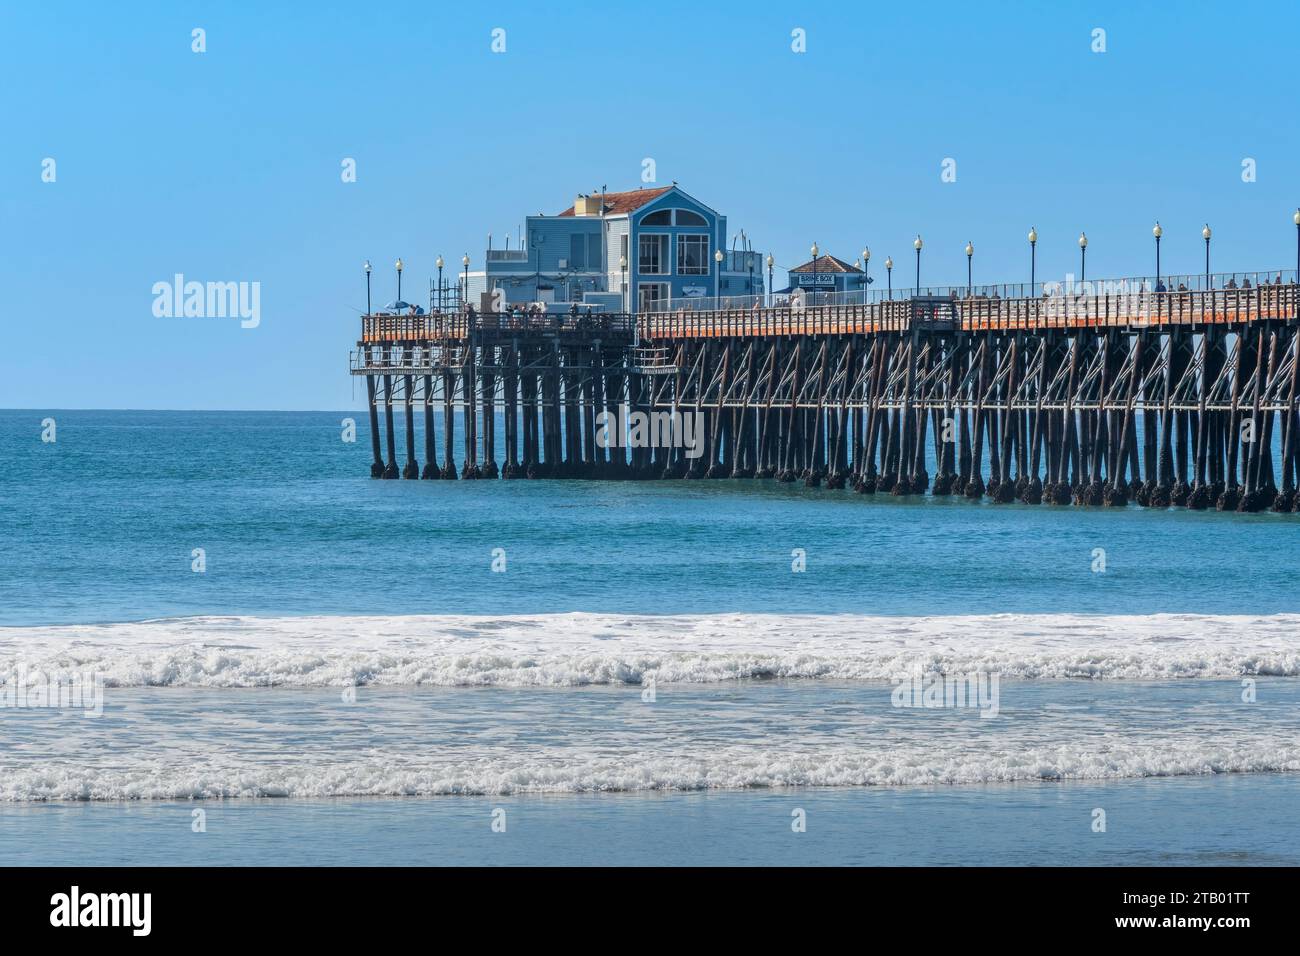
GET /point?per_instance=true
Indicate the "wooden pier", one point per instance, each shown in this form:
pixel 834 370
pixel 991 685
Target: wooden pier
pixel 1164 398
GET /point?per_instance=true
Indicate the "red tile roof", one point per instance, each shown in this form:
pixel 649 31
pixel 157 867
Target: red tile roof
pixel 826 264
pixel 618 204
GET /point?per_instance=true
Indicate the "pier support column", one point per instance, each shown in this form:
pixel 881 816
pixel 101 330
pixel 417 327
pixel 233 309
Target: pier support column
pixel 1006 490
pixel 1286 499
pixel 448 425
pixel 377 462
pixel 1061 491
pixel 528 391
pixel 975 485
pixel 590 406
pixel 488 404
pixel 469 405
pixel 1246 360
pixel 1198 499
pixel 1033 493
pixel 1255 439
pixel 431 470
pixel 1117 487
pixel 412 468
pixel 390 470
pixel 510 396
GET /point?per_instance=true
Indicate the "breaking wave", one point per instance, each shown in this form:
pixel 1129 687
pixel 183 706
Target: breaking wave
pixel 575 650
pixel 722 768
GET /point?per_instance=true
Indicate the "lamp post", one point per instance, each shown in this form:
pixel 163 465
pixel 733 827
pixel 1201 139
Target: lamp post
pixel 917 246
pixel 889 275
pixel 399 283
pixel 367 287
pixel 1083 257
pixel 815 253
pixel 770 263
pixel 970 251
pixel 464 285
pixel 1033 261
pixel 1205 234
pixel 1296 220
pixel 622 267
pixel 1157 232
pixel 717 257
pixel 866 271
pixel 439 264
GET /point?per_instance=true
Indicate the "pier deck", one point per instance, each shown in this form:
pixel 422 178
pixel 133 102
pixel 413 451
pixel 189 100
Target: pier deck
pixel 1185 397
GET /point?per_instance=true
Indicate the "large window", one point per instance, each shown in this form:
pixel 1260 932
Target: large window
pixel 693 255
pixel 669 217
pixel 653 255
pixel 578 252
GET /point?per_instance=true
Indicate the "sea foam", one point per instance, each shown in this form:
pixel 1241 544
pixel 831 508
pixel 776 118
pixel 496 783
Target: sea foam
pixel 720 768
pixel 575 650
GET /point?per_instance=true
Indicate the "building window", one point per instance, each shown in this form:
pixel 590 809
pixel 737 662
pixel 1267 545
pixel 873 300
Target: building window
pixel 578 252
pixel 652 296
pixel 593 252
pixel 653 255
pixel 661 217
pixel 693 255
pixel 687 218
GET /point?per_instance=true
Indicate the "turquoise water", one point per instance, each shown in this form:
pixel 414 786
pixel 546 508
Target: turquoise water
pixel 100 526
pixel 295 693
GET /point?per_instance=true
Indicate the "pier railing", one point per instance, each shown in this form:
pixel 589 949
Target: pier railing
pixel 1126 303
pixel 1120 309
pixel 456 325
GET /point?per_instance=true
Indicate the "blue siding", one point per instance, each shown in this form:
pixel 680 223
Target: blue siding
pixel 549 240
pixel 715 229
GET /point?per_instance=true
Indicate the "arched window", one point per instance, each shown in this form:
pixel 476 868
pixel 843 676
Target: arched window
pixel 660 217
pixel 687 218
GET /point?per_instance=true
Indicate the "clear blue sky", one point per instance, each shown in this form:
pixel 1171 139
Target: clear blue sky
pixel 226 165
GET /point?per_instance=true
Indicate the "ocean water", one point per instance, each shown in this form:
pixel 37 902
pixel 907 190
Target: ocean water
pixel 648 671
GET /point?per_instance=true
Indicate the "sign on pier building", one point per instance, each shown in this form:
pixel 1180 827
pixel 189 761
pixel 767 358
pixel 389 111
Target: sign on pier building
pixel 827 274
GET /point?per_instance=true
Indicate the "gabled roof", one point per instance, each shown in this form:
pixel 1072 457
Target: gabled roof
pixel 826 264
pixel 620 204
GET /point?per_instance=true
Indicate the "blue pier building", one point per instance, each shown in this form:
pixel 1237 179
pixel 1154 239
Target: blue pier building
pixel 643 250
